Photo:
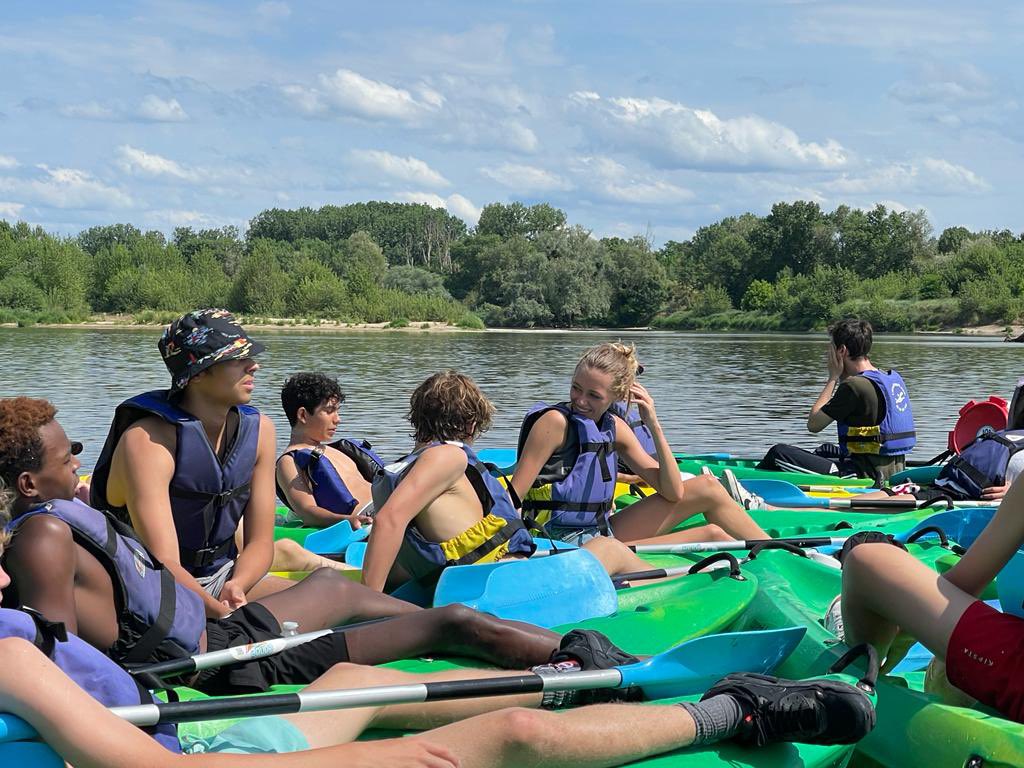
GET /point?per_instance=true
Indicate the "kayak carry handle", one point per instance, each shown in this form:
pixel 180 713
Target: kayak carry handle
pixel 734 564
pixel 842 525
pixel 870 679
pixel 761 546
pixel 943 539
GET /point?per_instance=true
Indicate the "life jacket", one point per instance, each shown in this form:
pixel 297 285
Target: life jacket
pixel 982 463
pixel 328 488
pixel 895 435
pixel 498 534
pixel 208 496
pixel 93 672
pixel 576 486
pixel 157 617
pixel 636 424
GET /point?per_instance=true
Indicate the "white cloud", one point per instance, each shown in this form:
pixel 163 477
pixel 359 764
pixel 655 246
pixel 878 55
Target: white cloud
pixel 10 211
pixel 455 204
pixel 159 110
pixel 674 135
pixel 66 188
pixel 526 178
pixel 350 93
pixel 409 169
pixel 273 11
pixel 90 110
pixel 6 161
pixel 138 161
pixel 929 175
pixel 172 217
pixel 463 208
pixel 613 181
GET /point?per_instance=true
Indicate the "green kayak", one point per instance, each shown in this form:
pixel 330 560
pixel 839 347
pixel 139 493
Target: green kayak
pixel 914 729
pixel 746 469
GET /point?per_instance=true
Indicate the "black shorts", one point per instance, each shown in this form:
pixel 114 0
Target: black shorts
pixel 253 623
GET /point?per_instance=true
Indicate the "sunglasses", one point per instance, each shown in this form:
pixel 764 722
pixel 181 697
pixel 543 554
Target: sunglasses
pixel 76 447
pixel 639 369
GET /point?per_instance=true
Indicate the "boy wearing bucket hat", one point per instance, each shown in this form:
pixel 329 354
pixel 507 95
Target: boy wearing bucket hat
pixel 185 466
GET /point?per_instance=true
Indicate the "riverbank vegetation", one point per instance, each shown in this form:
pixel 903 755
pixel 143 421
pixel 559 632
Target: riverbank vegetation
pixel 525 266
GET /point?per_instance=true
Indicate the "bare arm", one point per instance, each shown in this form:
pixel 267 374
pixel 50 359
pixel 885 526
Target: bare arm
pixel 145 458
pixel 41 561
pixel 661 473
pixel 437 470
pixel 258 531
pixel 546 436
pixel 300 497
pixel 817 419
pixel 88 736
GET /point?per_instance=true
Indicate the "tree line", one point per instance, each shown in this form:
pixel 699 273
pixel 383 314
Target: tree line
pixel 524 266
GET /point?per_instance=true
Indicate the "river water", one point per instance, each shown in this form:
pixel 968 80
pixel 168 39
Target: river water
pixel 714 392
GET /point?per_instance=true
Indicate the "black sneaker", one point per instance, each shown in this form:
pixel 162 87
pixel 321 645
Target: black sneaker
pixel 591 650
pixel 808 712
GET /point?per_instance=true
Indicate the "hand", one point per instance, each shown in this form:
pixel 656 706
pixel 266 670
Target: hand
pixel 232 596
pixel 358 521
pixel 994 492
pixel 644 402
pixel 82 492
pixel 834 362
pixel 411 752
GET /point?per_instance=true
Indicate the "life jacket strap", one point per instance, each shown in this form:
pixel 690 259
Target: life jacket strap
pixel 215 502
pixel 486 547
pixel 201 558
pixel 48 633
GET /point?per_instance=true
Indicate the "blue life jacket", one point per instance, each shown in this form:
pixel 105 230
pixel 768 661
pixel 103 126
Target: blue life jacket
pixel 208 496
pixel 576 486
pixel 636 424
pixel 498 534
pixel 895 435
pixel 982 463
pixel 93 672
pixel 157 617
pixel 329 490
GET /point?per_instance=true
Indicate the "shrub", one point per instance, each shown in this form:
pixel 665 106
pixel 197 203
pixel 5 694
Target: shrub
pixel 711 301
pixel 19 292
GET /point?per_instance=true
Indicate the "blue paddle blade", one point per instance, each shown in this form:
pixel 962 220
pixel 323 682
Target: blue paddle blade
pixel 355 553
pixel 961 525
pixel 1010 585
pixel 546 591
pixel 13 728
pixel 29 753
pixel 695 666
pixel 414 592
pixel 779 493
pixel 334 539
pixel 502 457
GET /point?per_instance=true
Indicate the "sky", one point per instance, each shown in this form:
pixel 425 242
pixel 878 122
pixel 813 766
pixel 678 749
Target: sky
pixel 651 118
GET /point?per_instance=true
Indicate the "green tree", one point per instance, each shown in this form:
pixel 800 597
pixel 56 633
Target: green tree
pixel 638 282
pixel 415 281
pixel 518 220
pixel 260 285
pixel 316 291
pixel 360 263
pixel 796 235
pixel 953 239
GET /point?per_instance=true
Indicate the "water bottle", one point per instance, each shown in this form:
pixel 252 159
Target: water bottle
pixel 289 628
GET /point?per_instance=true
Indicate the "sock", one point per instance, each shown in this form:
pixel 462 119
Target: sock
pixel 715 719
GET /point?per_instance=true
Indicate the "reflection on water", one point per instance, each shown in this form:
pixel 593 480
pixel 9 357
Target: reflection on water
pixel 737 393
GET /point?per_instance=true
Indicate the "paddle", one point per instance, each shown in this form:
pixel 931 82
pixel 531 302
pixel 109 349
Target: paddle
pixel 334 539
pixel 694 547
pixel 686 669
pixel 780 493
pixel 242 653
pixel 545 591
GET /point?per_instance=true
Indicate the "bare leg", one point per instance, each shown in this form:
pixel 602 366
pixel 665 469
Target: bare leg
pixel 656 515
pixel 289 555
pixel 268 585
pixel 595 736
pixel 885 589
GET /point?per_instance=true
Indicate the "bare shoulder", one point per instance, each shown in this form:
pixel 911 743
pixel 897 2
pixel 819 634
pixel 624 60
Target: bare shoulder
pixel 553 419
pixel 442 457
pixel 147 433
pixel 42 536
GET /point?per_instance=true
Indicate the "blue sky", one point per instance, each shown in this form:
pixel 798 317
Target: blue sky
pixel 640 117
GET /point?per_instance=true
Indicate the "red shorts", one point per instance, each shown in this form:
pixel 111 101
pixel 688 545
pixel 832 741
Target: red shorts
pixel 985 659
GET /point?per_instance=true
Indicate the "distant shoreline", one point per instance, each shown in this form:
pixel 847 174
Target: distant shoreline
pixel 127 322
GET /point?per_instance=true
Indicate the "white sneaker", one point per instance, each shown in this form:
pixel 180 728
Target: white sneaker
pixel 741 495
pixel 834 619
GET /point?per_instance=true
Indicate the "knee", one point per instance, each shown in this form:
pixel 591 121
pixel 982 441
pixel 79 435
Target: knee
pixel 288 547
pixel 715 532
pixel 331 580
pixel 528 732
pixel 869 558
pixel 457 620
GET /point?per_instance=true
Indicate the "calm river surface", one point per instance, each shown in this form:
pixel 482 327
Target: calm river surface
pixel 737 393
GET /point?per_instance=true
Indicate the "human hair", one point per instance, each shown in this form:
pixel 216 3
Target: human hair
pixel 449 406
pixel 616 359
pixel 21 448
pixel 6 504
pixel 853 334
pixel 308 390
